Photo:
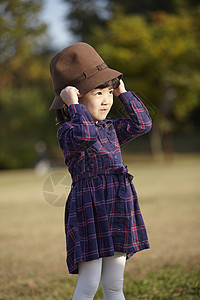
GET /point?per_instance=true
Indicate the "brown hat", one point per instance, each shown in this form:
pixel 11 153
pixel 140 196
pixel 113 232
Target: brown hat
pixel 78 65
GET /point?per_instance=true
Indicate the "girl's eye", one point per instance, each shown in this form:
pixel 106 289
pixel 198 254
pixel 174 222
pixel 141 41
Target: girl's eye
pixel 98 93
pixel 111 92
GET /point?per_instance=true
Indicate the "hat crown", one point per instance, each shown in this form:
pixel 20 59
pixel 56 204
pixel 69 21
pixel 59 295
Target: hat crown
pixel 68 64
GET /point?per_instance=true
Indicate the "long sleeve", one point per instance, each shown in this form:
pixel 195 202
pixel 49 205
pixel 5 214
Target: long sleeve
pixel 139 121
pixel 79 133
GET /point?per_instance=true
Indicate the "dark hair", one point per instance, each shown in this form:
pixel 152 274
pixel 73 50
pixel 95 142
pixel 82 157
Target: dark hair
pixel 62 115
pixel 114 83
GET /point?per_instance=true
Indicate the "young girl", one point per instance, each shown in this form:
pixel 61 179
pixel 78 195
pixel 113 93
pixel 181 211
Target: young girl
pixel 103 222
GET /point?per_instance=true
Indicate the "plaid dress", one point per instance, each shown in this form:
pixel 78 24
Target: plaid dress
pixel 102 213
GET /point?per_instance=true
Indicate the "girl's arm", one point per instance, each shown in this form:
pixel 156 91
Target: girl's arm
pixel 139 121
pixel 80 133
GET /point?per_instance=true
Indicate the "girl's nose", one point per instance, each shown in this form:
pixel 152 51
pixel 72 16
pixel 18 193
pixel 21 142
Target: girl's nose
pixel 105 100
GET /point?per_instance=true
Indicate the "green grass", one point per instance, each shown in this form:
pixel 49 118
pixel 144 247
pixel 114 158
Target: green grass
pixel 166 283
pixel 32 253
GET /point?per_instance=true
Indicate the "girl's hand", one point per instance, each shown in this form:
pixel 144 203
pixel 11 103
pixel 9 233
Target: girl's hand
pixel 70 95
pixel 121 89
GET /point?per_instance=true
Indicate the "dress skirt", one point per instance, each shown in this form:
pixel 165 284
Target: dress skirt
pixel 96 227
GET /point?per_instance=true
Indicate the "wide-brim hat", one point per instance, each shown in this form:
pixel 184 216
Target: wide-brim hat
pixel 81 66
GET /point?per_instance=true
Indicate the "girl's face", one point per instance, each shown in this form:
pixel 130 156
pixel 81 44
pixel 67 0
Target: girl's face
pixel 98 102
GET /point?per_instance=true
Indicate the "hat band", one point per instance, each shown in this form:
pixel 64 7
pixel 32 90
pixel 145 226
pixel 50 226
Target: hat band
pixel 84 75
pixel 88 73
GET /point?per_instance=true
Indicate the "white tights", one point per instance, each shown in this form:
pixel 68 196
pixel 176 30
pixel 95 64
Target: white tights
pixel 108 270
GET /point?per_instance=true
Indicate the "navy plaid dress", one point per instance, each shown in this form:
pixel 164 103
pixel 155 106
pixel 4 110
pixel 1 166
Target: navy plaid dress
pixel 102 213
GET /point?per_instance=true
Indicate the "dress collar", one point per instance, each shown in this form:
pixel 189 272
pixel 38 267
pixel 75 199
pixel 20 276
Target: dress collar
pixel 104 122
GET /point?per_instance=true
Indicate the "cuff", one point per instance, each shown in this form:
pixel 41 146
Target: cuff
pixel 79 110
pixel 76 109
pixel 126 97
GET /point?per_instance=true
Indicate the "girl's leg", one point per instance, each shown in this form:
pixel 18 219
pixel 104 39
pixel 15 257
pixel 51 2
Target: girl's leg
pixel 88 279
pixel 112 276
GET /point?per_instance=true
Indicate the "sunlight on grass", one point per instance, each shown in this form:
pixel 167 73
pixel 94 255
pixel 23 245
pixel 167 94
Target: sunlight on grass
pixel 33 242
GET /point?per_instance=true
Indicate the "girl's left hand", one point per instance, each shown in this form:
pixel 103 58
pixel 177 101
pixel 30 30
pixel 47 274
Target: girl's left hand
pixel 121 89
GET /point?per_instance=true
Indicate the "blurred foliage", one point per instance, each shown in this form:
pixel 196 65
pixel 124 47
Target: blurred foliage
pixel 83 15
pixel 159 58
pixel 20 32
pixel 25 86
pixel 156 45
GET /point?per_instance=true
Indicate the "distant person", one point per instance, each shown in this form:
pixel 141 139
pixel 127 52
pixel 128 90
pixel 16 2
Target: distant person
pixel 103 222
pixel 42 164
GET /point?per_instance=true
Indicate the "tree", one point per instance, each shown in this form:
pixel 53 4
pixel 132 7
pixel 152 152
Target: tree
pixel 85 15
pixel 155 43
pixel 25 84
pixel 19 33
pixel 159 58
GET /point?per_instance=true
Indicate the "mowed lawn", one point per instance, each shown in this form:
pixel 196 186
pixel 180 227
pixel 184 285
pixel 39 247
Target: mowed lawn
pixel 32 251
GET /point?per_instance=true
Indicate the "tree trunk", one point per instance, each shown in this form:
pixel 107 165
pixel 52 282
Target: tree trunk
pixel 156 142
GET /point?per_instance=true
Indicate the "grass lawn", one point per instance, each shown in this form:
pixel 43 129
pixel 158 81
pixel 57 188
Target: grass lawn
pixel 32 255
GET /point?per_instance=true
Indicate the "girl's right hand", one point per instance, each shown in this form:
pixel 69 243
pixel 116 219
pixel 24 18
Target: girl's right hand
pixel 121 89
pixel 70 95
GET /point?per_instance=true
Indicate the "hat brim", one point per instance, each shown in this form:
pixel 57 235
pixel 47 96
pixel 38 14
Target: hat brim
pixel 89 84
pixel 97 79
pixel 57 103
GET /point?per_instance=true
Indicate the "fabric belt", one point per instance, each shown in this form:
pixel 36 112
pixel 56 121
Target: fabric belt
pixel 118 171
